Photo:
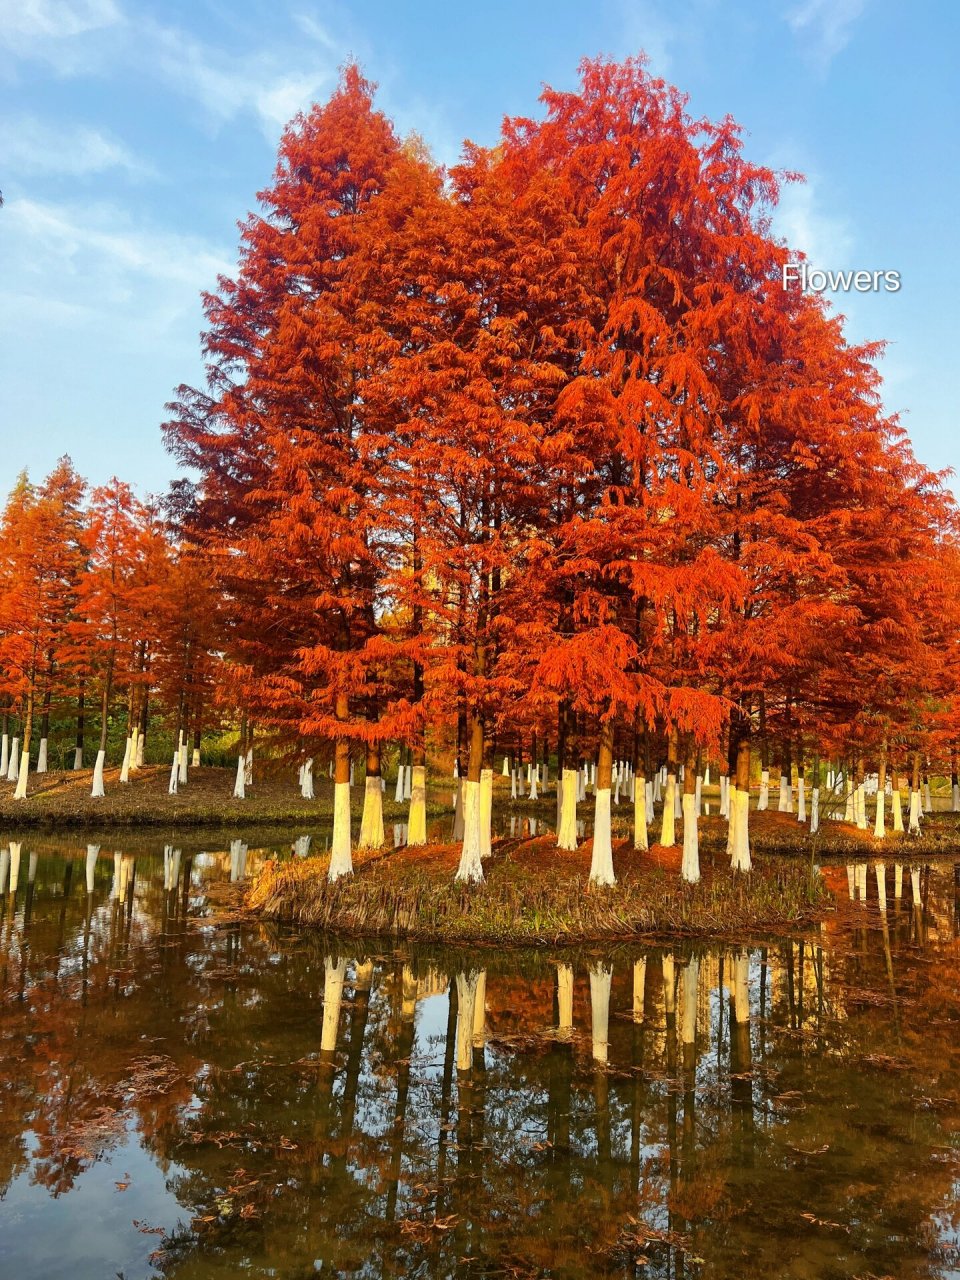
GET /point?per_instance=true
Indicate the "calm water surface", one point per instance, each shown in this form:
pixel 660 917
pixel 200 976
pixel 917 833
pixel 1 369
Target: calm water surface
pixel 188 1097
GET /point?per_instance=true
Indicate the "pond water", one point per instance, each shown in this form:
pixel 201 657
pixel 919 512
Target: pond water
pixel 186 1096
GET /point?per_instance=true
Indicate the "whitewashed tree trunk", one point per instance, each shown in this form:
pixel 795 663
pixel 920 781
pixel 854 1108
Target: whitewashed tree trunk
pixel 13 764
pixel 764 800
pixel 657 786
pixel 341 855
pixel 862 807
pixel 371 821
pixel 141 747
pixel 784 792
pixel 408 782
pixel 470 868
pixel 240 786
pixel 698 795
pixel 301 846
pixel 4 754
pixel 741 848
pixel 182 758
pixel 24 772
pixel 398 790
pixel 914 813
pixel 513 784
pixel 601 977
pixel 732 821
pixel 506 766
pixel 486 812
pixel 333 975
pixel 897 812
pixel 879 824
pixel 724 795
pixel 42 756
pixel 668 836
pixel 601 863
pixel 567 825
pixel 417 814
pixel 690 865
pixel 849 813
pixel 174 775
pixel 802 799
pixel 125 767
pixel 97 789
pixel 650 808
pixel 815 811
pixel 306 781
pixel 640 839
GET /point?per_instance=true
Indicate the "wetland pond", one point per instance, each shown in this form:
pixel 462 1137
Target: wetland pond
pixel 188 1095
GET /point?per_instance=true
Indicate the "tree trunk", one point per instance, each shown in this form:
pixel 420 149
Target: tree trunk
pixel 601 863
pixel 341 857
pixel 690 865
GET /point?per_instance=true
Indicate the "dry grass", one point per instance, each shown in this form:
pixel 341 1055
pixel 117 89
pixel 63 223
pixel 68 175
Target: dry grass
pixel 534 893
pixel 64 800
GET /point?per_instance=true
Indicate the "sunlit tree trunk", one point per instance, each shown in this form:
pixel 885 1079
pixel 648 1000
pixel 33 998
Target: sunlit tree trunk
pixel 740 860
pixel 371 822
pixel 471 868
pixel 601 863
pixel 690 865
pixel 667 826
pixel 915 796
pixel 341 855
pixel 879 825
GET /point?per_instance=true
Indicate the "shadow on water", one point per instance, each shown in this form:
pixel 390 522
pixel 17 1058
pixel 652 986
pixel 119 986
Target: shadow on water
pixel 191 1099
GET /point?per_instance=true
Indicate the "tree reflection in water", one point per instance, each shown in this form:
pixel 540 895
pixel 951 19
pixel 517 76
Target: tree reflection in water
pixel 287 1105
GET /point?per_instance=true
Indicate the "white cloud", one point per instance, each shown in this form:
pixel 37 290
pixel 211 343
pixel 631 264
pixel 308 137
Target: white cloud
pixel 32 147
pixel 100 249
pixel 26 21
pixel 272 84
pixel 824 27
pixel 826 238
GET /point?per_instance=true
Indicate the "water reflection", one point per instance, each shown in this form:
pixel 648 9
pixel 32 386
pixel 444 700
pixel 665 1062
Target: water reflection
pixel 189 1098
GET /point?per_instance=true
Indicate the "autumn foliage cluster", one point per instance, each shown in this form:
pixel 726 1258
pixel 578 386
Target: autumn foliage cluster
pixel 537 456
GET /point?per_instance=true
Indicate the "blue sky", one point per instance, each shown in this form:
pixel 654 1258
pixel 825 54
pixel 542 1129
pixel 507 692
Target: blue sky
pixel 133 137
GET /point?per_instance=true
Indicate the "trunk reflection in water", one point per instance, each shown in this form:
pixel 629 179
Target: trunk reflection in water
pixel 189 1098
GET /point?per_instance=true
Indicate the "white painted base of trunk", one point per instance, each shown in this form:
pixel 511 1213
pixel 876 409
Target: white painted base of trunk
pixel 486 812
pixel 77 758
pixel 860 806
pixel 731 822
pixel 13 765
pixel 42 756
pixel 690 864
pixel 408 781
pixel 174 783
pixel 417 815
pixel 125 767
pixel 97 789
pixel 371 820
pixel 341 857
pixel 668 834
pixel 567 825
pixel 914 813
pixel 506 766
pixel 640 839
pixel 470 868
pixel 306 780
pixel 764 789
pixel 879 824
pixel 24 772
pixel 740 858
pixel 802 800
pixel 785 796
pixel 240 785
pixel 601 863
pixel 248 769
pixel 195 758
pixel 4 755
pixel 815 811
pixel 724 795
pixel 897 813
